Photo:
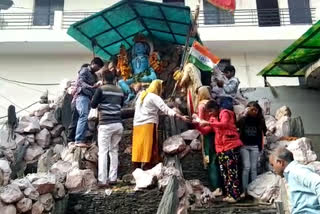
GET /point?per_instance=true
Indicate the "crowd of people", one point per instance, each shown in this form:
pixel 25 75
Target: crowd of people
pixel 231 147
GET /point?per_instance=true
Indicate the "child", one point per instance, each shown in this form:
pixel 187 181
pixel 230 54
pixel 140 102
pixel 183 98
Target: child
pixel 227 145
pixel 227 88
pixel 252 129
pixel 206 110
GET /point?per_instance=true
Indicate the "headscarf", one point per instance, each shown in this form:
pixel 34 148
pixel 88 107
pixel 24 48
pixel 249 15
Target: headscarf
pixel 155 87
pixel 203 94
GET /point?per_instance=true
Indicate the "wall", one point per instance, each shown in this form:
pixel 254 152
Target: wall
pixel 21 6
pixel 38 69
pixel 302 102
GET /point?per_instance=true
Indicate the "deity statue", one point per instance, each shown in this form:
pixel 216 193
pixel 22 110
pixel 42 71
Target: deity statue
pixel 142 71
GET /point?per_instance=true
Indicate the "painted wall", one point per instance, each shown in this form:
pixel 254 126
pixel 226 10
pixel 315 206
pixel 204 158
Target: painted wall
pixel 302 102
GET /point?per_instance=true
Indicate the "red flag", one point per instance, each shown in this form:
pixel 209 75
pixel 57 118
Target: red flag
pixel 224 4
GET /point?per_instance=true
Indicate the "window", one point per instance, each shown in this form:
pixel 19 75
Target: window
pixel 268 13
pixel 299 11
pixel 174 2
pixel 214 15
pixel 44 11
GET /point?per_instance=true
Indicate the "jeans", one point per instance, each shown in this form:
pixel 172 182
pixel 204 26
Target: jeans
pixel 109 137
pixel 82 107
pixel 73 125
pixel 249 157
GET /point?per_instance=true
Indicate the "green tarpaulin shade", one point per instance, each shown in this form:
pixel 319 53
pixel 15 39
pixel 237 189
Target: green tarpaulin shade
pixel 105 31
pixel 295 60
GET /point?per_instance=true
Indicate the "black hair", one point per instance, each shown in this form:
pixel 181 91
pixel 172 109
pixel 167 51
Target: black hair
pixel 109 76
pixel 229 68
pixel 85 65
pixel 98 61
pixel 260 117
pixel 211 104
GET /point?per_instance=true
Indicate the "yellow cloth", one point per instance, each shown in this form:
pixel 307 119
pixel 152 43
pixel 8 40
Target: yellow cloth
pixel 155 87
pixel 177 76
pixel 142 143
pixel 203 94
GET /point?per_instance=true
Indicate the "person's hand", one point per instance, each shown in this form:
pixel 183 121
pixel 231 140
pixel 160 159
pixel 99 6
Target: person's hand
pixel 97 84
pixel 204 123
pixel 183 118
pixel 206 159
pixel 220 83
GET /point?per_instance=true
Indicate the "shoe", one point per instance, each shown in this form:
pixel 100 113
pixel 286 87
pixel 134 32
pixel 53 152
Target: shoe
pixel 229 199
pixel 112 183
pixel 103 185
pixel 82 145
pixel 243 195
pixel 217 192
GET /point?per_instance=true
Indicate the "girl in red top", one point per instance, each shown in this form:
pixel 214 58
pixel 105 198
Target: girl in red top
pixel 227 145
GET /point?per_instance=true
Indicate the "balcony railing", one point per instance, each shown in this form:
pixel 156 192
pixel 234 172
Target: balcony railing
pixel 13 21
pixel 71 17
pixel 254 17
pixel 207 18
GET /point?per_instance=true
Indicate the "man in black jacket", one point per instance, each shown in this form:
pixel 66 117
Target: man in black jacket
pixel 109 99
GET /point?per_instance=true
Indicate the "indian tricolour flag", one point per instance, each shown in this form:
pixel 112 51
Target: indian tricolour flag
pixel 201 57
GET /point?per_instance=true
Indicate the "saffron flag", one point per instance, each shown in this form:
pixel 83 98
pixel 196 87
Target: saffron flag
pixel 224 4
pixel 201 57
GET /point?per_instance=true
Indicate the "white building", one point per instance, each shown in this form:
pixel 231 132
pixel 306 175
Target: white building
pixel 34 46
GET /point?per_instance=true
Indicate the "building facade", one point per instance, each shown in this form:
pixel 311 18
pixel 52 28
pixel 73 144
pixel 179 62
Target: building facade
pixel 35 48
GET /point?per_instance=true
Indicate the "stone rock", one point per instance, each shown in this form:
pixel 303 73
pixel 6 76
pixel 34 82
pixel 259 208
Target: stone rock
pixel 67 153
pixel 20 139
pixel 1 177
pixel 59 191
pixel 190 134
pixel 10 194
pixel 43 108
pixel 56 131
pixel 37 208
pixel 8 209
pixel 45 161
pixel 31 193
pixel 6 172
pixel 9 155
pixel 57 140
pixel 22 183
pixel 128 179
pixel 31 138
pixel 143 179
pixel 45 184
pixel 174 145
pixel 185 152
pixel 195 145
pixel 90 165
pixel 301 149
pixel 24 205
pixel 61 168
pixel 33 152
pixel 47 201
pixel 6 143
pixel 33 126
pixel 78 180
pixel 43 138
pixel 128 150
pixel 58 149
pixel 92 154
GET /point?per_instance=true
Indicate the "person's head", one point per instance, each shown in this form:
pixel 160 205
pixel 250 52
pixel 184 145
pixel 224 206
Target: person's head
pixel 226 103
pixel 254 109
pixel 203 93
pixel 229 71
pixel 155 87
pixel 108 76
pixel 96 64
pixel 212 108
pixel 279 159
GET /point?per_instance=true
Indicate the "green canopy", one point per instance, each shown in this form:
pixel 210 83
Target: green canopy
pixel 105 31
pixel 295 60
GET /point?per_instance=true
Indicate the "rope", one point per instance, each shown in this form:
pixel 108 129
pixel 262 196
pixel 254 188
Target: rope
pixel 29 83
